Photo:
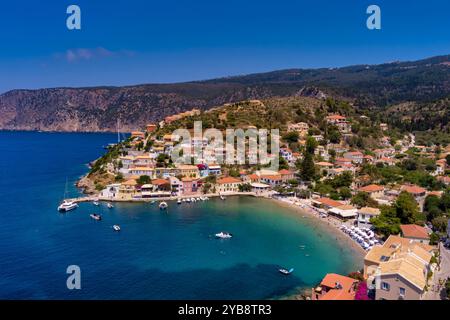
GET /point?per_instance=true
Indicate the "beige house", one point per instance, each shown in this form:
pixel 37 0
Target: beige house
pixel 375 191
pixel 127 189
pixel 228 184
pixel 398 269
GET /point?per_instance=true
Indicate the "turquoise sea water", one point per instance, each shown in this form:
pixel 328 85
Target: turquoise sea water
pixel 157 255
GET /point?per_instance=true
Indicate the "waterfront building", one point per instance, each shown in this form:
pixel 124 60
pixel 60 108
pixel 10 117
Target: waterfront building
pixel 273 180
pixel 259 188
pixel 190 185
pixel 335 287
pixel 364 216
pixel 398 269
pixel 228 184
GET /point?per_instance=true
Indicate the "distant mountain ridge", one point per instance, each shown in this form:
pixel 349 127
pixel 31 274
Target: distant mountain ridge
pixel 98 108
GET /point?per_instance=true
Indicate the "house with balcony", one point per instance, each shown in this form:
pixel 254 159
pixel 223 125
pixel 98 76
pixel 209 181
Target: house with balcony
pixel 364 216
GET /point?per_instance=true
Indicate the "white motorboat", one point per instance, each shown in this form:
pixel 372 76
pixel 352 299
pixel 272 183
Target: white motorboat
pixel 193 199
pixel 286 271
pixel 163 205
pixel 109 205
pixel 198 199
pixel 116 227
pixel 223 235
pixel 222 197
pixel 95 203
pixel 96 216
pixel 179 201
pixel 67 206
pixel 188 200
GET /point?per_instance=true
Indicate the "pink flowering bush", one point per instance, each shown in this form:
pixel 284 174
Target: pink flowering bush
pixel 361 292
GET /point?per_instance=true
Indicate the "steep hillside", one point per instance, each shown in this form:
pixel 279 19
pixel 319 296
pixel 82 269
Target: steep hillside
pixel 97 109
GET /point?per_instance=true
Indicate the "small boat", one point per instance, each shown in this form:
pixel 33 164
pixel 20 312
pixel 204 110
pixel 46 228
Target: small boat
pixel 285 271
pixel 222 198
pixel 95 203
pixel 96 216
pixel 179 201
pixel 193 199
pixel 223 235
pixel 109 205
pixel 163 205
pixel 198 199
pixel 67 206
pixel 116 227
pixel 188 200
pixel 152 202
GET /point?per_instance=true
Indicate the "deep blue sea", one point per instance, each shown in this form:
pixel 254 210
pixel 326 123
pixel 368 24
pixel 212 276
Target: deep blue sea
pixel 157 255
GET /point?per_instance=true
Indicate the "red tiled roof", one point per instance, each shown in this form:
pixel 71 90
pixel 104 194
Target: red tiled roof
pixel 271 177
pixel 413 189
pixel 158 182
pixel 253 177
pixel 371 188
pixel 330 202
pixel 228 180
pixel 414 231
pixel 345 293
pixel 284 171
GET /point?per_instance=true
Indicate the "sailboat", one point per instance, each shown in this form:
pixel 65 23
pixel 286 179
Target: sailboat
pixel 66 205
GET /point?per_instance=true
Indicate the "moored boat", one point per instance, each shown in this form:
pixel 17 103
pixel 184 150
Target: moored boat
pixel 109 205
pixel 179 201
pixel 116 227
pixel 96 216
pixel 67 206
pixel 163 205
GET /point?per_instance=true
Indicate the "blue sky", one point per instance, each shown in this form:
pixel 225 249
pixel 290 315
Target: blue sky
pixel 137 41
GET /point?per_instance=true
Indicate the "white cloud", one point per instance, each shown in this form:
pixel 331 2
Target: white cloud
pixel 80 54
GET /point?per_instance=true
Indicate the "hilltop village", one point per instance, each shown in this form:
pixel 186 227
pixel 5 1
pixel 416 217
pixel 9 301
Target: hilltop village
pixel 375 183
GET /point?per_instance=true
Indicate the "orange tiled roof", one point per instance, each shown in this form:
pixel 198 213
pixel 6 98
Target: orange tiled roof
pixel 345 293
pixel 371 188
pixel 330 202
pixel 228 180
pixel 413 189
pixel 414 231
pixel 271 177
pixel 253 177
pixel 158 182
pixel 336 117
pixel 284 171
